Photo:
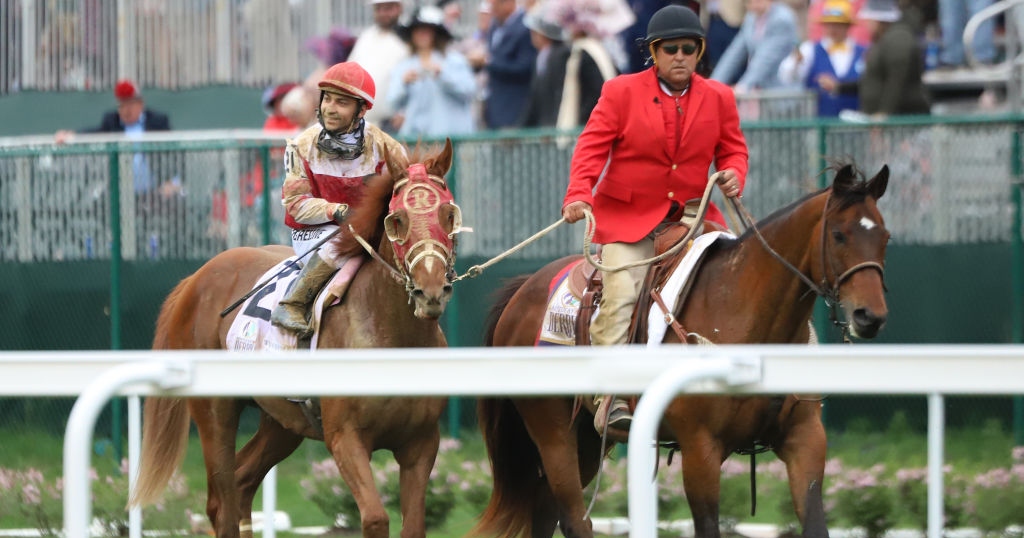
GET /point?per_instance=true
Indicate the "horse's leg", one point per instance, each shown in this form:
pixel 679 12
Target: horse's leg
pixel 415 460
pixel 352 455
pixel 217 423
pixel 549 423
pixel 702 474
pixel 803 450
pixel 269 445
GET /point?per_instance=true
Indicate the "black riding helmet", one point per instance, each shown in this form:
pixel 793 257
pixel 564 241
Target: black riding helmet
pixel 673 22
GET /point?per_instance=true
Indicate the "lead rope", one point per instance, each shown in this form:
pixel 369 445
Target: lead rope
pixel 477 270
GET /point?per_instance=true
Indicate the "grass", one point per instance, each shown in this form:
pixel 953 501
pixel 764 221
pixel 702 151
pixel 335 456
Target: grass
pixel 968 450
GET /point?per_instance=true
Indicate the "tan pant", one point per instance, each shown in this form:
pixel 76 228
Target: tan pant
pixel 621 290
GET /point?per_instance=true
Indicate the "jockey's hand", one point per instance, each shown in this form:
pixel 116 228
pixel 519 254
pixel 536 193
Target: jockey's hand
pixel 340 213
pixel 729 182
pixel 574 211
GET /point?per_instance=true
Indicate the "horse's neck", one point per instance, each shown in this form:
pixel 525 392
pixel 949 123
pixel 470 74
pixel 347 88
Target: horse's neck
pixel 754 296
pixel 375 311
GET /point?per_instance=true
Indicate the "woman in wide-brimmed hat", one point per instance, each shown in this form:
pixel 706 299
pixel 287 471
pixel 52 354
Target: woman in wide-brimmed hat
pixel 434 87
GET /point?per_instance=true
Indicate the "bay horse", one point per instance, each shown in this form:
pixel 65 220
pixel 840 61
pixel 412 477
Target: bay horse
pixel 544 451
pixel 393 300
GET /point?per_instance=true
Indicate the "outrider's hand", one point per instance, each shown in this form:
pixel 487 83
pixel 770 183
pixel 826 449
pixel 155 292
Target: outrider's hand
pixel 729 182
pixel 575 211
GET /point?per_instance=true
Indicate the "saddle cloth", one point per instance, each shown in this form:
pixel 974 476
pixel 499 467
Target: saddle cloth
pixel 251 330
pixel 559 328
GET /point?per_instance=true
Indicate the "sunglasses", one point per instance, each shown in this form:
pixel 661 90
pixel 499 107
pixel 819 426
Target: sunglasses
pixel 688 49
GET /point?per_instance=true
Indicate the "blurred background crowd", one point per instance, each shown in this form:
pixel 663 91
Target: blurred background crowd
pixel 495 63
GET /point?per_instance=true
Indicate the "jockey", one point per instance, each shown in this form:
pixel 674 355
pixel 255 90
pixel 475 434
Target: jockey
pixel 326 168
pixel 651 141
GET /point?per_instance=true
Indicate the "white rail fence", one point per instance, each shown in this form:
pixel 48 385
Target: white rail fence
pixel 658 373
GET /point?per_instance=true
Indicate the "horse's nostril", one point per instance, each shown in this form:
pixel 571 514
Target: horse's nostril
pixel 863 317
pixel 447 289
pixel 867 320
pixel 418 293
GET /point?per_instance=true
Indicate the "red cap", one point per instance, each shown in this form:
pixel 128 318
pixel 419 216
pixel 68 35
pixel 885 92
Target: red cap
pixel 126 89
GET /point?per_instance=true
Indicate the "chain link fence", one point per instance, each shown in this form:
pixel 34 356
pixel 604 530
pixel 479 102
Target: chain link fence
pixel 190 195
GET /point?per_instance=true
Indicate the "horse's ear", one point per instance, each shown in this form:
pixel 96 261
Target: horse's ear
pixel 877 184
pixel 442 163
pixel 845 178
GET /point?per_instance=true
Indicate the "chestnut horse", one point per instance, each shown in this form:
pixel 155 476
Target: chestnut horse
pixel 543 452
pixel 393 301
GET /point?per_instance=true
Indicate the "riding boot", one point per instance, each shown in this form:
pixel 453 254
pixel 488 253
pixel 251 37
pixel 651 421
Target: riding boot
pixel 618 417
pixel 293 313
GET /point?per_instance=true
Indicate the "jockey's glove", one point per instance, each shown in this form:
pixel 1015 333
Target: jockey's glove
pixel 339 214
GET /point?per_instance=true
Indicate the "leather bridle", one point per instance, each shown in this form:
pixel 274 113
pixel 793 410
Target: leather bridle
pixel 418 194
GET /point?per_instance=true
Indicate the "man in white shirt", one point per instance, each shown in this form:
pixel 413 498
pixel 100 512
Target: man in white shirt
pixel 378 49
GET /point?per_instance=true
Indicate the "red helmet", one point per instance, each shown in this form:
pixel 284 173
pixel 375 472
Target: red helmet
pixel 351 79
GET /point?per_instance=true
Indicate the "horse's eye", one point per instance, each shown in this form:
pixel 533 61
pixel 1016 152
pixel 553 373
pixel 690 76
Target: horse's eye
pixel 838 236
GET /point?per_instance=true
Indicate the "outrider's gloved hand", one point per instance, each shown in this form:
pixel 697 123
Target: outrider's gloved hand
pixel 339 214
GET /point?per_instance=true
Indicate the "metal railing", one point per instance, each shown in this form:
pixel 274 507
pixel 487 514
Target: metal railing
pixel 1014 19
pixel 190 195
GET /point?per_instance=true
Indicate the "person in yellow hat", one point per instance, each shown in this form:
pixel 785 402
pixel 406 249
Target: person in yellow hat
pixel 834 59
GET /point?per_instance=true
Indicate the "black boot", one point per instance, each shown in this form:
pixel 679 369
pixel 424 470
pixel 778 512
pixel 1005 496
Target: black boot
pixel 293 313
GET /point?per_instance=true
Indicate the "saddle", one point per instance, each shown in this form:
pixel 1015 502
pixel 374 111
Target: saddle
pixel 585 280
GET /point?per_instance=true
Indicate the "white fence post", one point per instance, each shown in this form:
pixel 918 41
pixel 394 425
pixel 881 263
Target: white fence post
pixel 936 438
pixel 82 421
pixel 643 432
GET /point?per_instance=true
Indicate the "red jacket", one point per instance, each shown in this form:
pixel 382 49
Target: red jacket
pixel 644 174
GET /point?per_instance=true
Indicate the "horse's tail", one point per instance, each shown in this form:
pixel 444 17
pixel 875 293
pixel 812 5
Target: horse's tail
pixel 165 420
pixel 164 440
pixel 514 458
pixel 515 470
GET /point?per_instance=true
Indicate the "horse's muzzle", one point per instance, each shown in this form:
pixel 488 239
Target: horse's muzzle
pixel 865 323
pixel 430 304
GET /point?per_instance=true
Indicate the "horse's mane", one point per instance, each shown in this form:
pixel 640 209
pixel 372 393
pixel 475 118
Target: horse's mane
pixel 367 217
pixel 853 192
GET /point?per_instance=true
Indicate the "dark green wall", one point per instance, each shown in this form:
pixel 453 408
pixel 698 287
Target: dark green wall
pixel 225 107
pixel 955 294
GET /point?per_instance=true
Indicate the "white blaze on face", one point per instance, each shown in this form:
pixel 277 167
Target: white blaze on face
pixel 867 223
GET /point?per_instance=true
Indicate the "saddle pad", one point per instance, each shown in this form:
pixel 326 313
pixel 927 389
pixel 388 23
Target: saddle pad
pixel 251 330
pixel 559 325
pixel 656 325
